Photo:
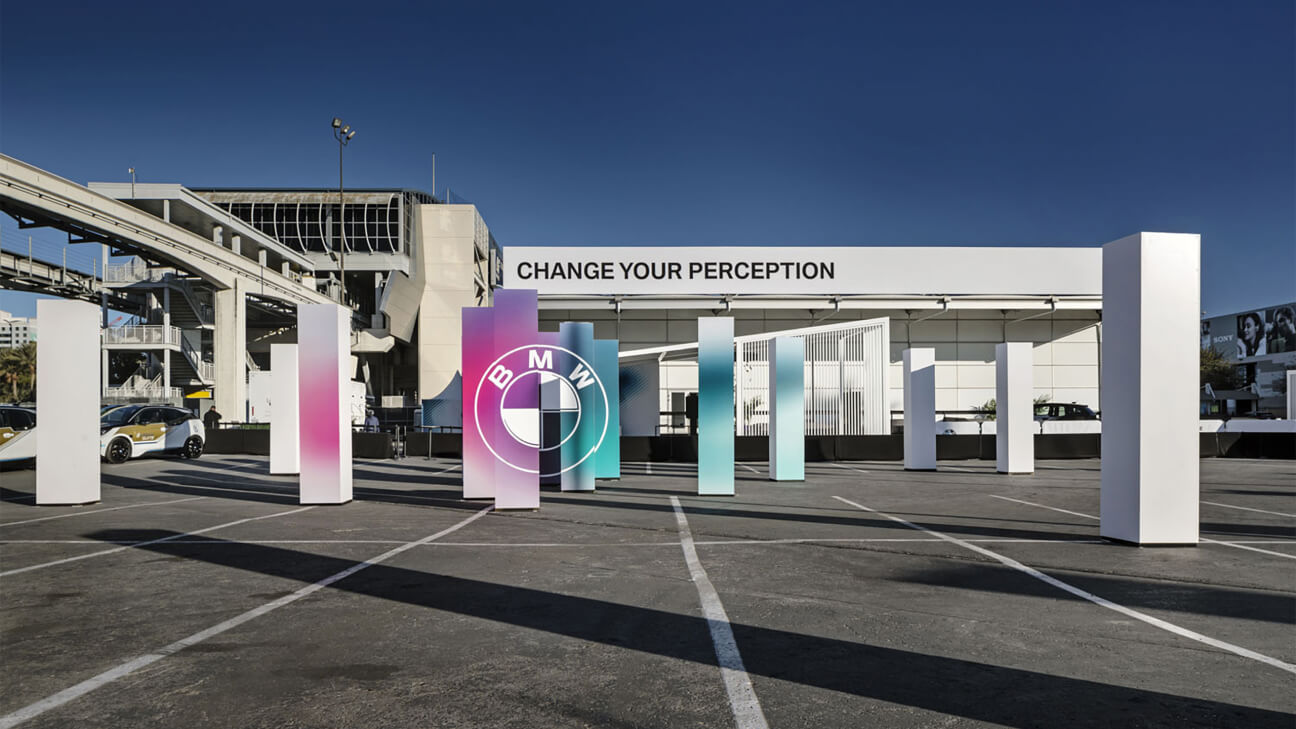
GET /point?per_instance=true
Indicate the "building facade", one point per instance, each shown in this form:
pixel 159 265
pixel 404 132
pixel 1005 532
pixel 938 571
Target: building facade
pixel 16 331
pixel 1262 344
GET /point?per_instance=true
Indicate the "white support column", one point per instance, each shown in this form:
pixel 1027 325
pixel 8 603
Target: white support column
pixel 324 389
pixel 236 244
pixel 67 403
pixel 229 342
pixel 920 409
pixel 218 236
pixel 1151 319
pixel 1014 414
pixel 1291 394
pixel 285 421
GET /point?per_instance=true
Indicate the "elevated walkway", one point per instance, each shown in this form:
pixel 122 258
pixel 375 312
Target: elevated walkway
pixel 36 197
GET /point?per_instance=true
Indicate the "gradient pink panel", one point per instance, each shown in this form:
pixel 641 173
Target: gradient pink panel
pixel 478 344
pixel 517 484
pixel 324 362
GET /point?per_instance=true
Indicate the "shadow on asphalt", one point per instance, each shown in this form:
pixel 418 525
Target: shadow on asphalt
pixel 1004 696
pixel 1176 597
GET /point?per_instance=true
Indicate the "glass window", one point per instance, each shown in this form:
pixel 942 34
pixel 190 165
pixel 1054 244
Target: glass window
pixel 119 416
pixel 21 420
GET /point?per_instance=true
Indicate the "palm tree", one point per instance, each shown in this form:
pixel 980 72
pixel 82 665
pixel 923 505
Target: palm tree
pixel 18 368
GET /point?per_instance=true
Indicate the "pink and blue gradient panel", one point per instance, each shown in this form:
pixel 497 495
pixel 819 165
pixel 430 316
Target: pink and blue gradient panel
pixel 323 342
pixel 478 347
pixel 517 465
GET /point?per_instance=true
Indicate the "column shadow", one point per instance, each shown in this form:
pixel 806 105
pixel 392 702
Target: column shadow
pixel 978 691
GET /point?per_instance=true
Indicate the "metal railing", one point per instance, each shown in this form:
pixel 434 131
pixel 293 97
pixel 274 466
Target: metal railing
pixel 147 393
pixel 136 271
pixel 145 335
pixel 206 370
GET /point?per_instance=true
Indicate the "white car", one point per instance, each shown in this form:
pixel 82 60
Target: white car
pixel 17 433
pixel 130 431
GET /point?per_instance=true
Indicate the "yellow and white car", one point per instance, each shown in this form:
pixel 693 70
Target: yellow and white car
pixel 130 431
pixel 17 434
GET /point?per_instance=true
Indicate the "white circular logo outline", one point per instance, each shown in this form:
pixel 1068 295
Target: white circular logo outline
pixel 593 373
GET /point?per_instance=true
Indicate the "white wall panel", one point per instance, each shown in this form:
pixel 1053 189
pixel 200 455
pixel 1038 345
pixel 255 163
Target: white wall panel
pixel 979 376
pixel 932 331
pixel 1035 330
pixel 1076 353
pixel 1083 395
pixel 1074 332
pixel 980 331
pixel 1072 377
pixel 975 352
pixel 946 375
pixel 968 398
pixel 1043 377
pixel 1043 354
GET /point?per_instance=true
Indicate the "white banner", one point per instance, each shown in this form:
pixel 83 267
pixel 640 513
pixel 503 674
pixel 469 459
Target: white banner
pixel 812 271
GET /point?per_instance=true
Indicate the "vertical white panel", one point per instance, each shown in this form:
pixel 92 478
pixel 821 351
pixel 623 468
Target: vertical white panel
pixel 1014 414
pixel 67 402
pixel 285 422
pixel 1291 394
pixel 324 387
pixel 920 409
pixel 1150 351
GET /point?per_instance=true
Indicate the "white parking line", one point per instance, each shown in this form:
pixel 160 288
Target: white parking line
pixel 171 538
pixel 749 468
pixel 33 710
pixel 742 697
pixel 1155 622
pixel 1246 508
pixel 1235 545
pixel 100 511
pixel 849 468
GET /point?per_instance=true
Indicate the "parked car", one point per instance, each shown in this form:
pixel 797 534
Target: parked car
pixel 17 434
pixel 1063 411
pixel 130 431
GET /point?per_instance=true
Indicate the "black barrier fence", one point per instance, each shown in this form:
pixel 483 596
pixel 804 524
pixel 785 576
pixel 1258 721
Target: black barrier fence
pixel 683 448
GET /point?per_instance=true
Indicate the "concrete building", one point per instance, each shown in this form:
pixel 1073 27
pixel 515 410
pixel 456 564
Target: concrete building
pixel 1262 344
pixel 15 331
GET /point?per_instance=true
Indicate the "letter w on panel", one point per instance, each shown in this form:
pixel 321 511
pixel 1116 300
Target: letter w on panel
pixel 582 377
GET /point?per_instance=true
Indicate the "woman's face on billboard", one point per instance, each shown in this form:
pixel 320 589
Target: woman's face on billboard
pixel 1249 330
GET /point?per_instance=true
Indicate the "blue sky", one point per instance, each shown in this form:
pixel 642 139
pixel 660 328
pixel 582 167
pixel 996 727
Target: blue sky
pixel 873 123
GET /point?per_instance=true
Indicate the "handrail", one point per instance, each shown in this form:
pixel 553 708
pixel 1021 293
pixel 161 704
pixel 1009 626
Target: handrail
pixel 206 370
pixel 148 334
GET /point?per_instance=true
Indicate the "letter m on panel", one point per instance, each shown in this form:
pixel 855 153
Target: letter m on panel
pixel 540 360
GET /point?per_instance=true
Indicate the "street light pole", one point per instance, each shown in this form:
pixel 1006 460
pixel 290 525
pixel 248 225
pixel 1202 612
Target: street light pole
pixel 343 134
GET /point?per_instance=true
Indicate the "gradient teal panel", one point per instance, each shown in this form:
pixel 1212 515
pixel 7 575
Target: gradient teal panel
pixel 787 409
pixel 715 406
pixel 607 459
pixel 578 338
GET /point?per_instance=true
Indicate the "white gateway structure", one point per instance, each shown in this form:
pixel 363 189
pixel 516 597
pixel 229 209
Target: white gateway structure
pixel 959 301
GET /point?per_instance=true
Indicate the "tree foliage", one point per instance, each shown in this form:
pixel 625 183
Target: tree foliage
pixel 1218 371
pixel 18 372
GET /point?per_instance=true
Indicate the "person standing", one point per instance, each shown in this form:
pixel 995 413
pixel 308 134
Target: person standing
pixel 211 420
